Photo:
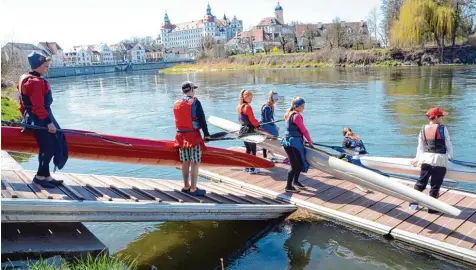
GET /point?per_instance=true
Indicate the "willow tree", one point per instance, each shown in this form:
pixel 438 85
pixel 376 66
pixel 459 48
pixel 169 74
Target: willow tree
pixel 421 20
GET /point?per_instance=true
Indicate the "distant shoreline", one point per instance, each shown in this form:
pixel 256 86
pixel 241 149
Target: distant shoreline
pixel 462 55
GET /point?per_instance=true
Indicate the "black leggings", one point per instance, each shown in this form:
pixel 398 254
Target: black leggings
pixel 437 175
pixel 46 143
pixel 296 165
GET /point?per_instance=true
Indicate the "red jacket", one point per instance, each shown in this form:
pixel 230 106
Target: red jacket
pixel 36 88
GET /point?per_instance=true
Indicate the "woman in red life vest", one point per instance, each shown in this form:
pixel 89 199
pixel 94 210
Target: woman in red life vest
pixel 248 123
pixel 189 119
pixel 35 105
pixel 434 150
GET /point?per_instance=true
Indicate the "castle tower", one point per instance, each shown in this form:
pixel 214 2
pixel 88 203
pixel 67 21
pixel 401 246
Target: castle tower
pixel 278 13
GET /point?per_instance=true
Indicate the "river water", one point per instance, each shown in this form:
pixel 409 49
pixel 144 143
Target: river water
pixel 385 107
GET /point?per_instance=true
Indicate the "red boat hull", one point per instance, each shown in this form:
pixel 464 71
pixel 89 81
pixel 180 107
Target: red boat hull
pixel 142 151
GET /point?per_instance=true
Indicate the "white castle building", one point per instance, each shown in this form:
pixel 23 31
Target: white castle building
pixel 189 35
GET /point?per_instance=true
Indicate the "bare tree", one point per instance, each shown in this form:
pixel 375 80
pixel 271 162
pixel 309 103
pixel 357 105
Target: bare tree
pixel 390 11
pixel 268 46
pixel 309 36
pixel 373 24
pixel 336 36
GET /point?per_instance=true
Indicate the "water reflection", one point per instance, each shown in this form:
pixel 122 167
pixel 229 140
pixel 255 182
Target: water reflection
pixel 325 245
pixel 193 245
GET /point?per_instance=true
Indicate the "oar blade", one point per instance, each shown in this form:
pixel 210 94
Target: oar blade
pixel 253 138
pixel 218 135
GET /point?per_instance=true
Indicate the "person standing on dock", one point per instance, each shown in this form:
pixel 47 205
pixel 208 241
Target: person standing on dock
pixel 434 150
pixel 189 119
pixel 248 124
pixel 293 143
pixel 267 116
pixel 35 106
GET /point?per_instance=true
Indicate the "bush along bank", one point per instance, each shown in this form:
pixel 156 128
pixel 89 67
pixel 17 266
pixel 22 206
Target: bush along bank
pixel 334 58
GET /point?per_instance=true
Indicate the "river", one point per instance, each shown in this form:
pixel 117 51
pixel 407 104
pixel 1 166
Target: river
pixel 385 107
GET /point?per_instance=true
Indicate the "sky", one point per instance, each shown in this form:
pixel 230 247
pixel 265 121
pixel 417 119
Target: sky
pixel 109 21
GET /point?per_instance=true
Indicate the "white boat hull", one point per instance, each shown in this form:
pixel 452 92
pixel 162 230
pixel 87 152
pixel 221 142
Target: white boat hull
pixel 325 162
pixel 402 166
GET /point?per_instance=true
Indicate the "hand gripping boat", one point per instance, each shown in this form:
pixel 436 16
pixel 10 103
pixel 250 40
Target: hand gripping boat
pixel 350 172
pixel 141 151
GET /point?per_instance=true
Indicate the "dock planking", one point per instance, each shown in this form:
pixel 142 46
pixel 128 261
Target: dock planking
pixel 344 202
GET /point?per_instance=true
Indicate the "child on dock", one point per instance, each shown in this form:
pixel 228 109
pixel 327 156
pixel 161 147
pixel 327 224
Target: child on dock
pixel 352 143
pixel 267 116
pixel 293 143
pixel 248 123
pixel 189 119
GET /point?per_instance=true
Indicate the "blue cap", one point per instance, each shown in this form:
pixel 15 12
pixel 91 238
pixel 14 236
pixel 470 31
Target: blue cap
pixel 37 59
pixel 299 102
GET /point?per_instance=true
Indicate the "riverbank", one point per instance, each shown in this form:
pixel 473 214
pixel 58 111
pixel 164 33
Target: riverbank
pixel 10 110
pixel 334 58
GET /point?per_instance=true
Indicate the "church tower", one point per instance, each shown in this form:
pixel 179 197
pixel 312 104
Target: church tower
pixel 278 13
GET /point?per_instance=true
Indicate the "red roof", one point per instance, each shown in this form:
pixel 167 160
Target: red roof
pixel 52 47
pixel 269 21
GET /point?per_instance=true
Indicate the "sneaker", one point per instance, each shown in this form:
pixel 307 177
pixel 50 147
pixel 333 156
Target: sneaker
pixel 246 170
pixel 274 160
pixel 198 192
pixel 43 183
pixel 286 161
pixel 254 171
pixel 291 189
pixel 186 190
pixel 298 184
pixel 431 211
pixel 413 206
pixel 56 182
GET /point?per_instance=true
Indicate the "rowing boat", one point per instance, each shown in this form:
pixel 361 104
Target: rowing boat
pixel 324 161
pixel 140 151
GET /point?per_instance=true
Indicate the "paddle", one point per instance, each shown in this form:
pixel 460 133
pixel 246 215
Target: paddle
pixel 92 135
pixel 338 149
pixel 224 133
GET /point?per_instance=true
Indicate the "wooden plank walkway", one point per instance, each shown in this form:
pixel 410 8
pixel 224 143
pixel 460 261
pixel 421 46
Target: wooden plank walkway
pixel 343 202
pixel 85 197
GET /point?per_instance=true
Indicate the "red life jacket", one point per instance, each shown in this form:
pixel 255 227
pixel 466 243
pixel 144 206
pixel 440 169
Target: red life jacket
pixel 186 122
pixel 185 112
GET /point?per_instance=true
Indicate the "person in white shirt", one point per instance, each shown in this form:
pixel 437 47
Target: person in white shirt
pixel 434 150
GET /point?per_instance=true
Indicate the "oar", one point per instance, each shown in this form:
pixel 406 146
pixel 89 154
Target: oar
pixel 338 149
pixel 92 135
pixel 224 133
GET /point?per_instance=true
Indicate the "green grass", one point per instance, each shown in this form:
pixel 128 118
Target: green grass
pixel 10 110
pixel 101 262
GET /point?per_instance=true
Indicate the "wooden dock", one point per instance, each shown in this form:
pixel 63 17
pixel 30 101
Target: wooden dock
pixel 110 198
pixel 344 202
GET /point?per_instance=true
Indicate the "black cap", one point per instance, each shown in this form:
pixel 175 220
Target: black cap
pixel 188 85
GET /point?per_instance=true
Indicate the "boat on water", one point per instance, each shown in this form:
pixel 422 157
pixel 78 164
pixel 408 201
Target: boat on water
pixel 326 162
pixel 132 150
